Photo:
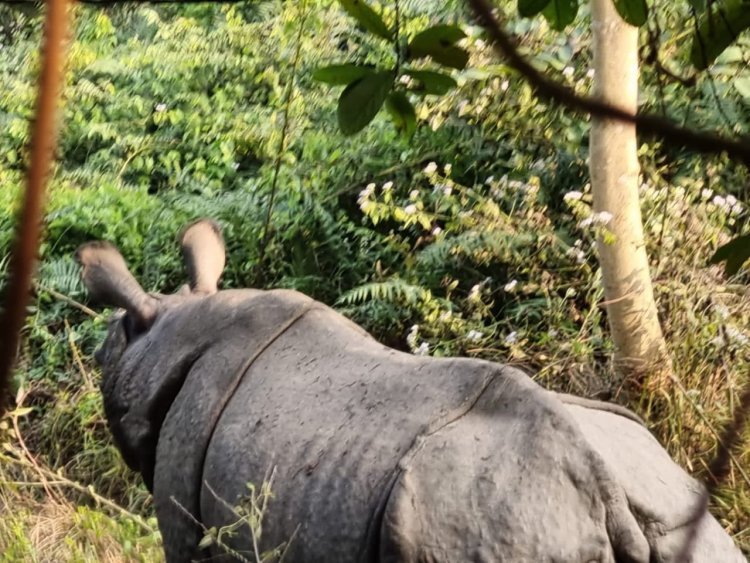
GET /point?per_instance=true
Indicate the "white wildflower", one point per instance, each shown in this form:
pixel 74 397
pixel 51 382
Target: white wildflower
pixel 447 189
pixel 404 79
pixel 410 209
pixel 720 202
pixel 585 223
pixel 447 169
pixel 411 338
pixel 731 335
pixel 504 85
pixel 445 316
pixel 413 195
pixel 568 71
pixel 489 180
pixel 602 218
pixel 235 165
pixel 423 349
pixel 510 286
pixel 707 193
pixel 590 73
pixel 436 231
pixel 573 196
pixel 388 186
pixel 474 336
pixel 511 338
pixel 431 168
pixel 160 107
pixel 722 311
pixel 474 291
pixel 365 194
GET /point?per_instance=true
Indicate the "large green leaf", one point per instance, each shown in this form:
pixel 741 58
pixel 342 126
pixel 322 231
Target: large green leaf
pixel 634 12
pixel 402 112
pixel 360 102
pixel 529 8
pixel 432 82
pixel 717 30
pixel 367 17
pixel 341 75
pixel 560 13
pixel 439 43
pixel 734 253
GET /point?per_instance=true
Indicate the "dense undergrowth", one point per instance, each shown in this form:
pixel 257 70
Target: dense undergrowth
pixel 474 237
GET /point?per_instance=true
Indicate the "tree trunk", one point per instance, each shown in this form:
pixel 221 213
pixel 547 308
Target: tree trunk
pixel 640 349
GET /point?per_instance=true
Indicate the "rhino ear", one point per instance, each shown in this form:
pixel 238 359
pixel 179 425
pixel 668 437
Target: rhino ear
pixel 204 255
pixel 108 280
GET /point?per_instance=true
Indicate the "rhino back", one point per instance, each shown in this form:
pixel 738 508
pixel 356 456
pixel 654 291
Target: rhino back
pixel 334 413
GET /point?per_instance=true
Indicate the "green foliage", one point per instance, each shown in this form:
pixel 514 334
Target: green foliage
pixel 718 28
pixel 439 43
pixel 635 12
pixel 529 8
pixel 367 17
pixel 735 253
pixel 402 112
pixel 560 13
pixel 361 100
pixel 368 89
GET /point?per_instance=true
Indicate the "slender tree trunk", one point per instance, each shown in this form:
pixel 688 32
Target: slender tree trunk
pixel 640 349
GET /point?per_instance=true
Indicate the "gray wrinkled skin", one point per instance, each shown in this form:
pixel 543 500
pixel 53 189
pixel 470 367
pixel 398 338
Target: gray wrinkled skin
pixel 377 455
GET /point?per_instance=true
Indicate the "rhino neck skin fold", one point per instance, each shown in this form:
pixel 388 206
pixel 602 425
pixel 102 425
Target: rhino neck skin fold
pixel 378 455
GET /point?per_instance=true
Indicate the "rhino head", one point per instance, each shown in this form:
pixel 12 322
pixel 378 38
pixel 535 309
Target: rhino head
pixel 135 324
pixel 109 282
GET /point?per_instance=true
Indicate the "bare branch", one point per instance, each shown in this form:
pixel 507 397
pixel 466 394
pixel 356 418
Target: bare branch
pixel 43 139
pixel 702 141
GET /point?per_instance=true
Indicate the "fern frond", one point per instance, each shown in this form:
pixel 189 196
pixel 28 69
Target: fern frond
pixel 393 290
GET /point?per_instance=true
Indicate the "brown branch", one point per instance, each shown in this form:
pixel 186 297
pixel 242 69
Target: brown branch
pixel 702 141
pixel 26 245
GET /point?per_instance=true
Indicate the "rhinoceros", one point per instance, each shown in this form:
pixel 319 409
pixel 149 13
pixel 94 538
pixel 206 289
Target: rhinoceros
pixel 378 455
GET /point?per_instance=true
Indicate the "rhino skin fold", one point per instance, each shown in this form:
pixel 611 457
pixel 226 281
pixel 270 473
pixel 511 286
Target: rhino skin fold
pixel 379 455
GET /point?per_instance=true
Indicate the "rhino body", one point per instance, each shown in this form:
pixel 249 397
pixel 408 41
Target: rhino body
pixel 377 455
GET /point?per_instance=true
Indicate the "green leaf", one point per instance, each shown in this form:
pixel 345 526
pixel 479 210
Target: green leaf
pixel 432 82
pixel 698 5
pixel 360 102
pixel 529 8
pixel 402 112
pixel 717 30
pixel 735 253
pixel 634 12
pixel 367 17
pixel 560 13
pixel 438 43
pixel 341 75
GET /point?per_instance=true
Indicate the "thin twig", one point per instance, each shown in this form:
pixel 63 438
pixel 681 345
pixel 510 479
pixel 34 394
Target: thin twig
pixel 282 139
pixel 61 480
pixel 27 454
pixel 77 358
pixel 64 298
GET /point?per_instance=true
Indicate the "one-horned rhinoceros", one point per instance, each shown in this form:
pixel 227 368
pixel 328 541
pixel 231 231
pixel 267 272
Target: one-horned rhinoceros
pixel 379 455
